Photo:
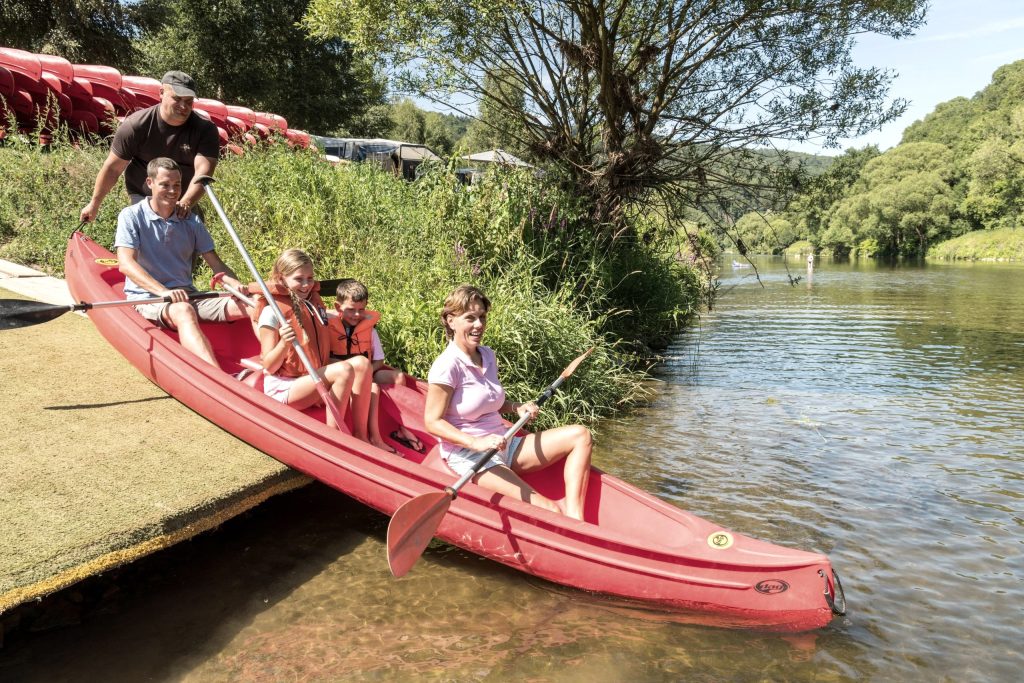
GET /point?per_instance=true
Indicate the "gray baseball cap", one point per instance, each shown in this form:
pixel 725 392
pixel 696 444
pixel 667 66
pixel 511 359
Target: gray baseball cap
pixel 181 83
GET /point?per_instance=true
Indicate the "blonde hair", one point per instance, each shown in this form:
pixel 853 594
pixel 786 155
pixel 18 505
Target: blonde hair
pixel 287 263
pixel 459 301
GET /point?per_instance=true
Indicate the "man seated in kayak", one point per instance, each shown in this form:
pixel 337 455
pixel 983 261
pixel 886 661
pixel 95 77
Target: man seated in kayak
pixel 285 379
pixel 155 251
pixel 464 405
pixel 354 333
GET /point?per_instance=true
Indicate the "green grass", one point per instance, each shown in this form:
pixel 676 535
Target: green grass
pixel 556 290
pixel 999 244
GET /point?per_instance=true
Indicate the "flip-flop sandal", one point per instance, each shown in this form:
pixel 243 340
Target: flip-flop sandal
pixel 408 443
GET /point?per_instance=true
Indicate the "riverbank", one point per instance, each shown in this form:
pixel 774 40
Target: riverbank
pixel 557 287
pixel 1001 244
pixel 95 469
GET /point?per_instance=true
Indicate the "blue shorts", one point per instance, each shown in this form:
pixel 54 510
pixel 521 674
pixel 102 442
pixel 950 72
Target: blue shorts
pixel 462 460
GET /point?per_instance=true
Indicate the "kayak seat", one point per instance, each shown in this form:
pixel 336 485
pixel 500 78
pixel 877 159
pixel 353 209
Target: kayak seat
pixel 252 372
pixel 401 405
pixel 434 461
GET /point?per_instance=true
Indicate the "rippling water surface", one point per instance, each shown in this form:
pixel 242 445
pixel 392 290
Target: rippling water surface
pixel 872 413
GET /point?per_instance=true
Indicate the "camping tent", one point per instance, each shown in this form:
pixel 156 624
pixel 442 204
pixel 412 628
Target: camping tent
pixel 497 156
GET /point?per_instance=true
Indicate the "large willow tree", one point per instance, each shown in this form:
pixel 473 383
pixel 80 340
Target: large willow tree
pixel 643 99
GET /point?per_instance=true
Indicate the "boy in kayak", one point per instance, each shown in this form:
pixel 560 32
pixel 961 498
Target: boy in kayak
pixel 354 333
pixel 464 404
pixel 285 379
pixel 155 251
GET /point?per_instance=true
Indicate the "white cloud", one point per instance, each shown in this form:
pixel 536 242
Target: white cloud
pixel 1004 57
pixel 990 29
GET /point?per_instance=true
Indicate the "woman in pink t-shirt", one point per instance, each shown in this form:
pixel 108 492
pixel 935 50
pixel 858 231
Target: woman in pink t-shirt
pixel 463 409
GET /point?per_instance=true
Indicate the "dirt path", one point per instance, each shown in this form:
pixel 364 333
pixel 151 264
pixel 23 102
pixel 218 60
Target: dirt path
pixel 98 466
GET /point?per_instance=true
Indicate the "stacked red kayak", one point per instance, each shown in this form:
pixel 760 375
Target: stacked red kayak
pixel 631 546
pixel 40 92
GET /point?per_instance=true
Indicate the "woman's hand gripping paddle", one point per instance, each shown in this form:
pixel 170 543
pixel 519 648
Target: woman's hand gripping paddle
pixel 321 388
pixel 416 522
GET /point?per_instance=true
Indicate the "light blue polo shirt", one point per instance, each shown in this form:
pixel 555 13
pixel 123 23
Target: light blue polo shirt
pixel 165 248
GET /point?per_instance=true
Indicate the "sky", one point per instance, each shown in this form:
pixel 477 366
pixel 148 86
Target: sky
pixel 954 54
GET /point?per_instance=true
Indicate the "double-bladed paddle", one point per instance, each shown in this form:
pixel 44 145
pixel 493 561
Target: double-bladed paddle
pixel 416 522
pixel 15 313
pixel 321 388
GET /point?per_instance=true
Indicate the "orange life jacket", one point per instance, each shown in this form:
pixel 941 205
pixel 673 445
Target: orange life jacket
pixel 310 327
pixel 358 342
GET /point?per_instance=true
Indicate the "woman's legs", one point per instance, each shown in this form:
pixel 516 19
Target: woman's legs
pixel 574 443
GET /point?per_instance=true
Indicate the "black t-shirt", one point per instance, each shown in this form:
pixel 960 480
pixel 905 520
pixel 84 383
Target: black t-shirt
pixel 144 136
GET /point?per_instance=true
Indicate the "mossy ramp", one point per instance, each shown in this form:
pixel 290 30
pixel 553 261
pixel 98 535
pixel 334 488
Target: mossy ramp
pixel 99 467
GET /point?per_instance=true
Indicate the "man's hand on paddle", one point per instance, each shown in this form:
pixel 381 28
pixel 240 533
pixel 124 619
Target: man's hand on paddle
pixel 177 295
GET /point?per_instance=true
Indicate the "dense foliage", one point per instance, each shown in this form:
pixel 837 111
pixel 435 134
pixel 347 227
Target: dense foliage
pixel 555 293
pixel 83 31
pixel 642 101
pixel 252 52
pixel 959 170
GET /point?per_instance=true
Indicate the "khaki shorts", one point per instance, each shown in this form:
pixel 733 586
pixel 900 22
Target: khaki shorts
pixel 462 460
pixel 210 310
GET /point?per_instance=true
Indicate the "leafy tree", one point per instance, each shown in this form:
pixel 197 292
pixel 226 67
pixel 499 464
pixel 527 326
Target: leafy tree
pixel 995 191
pixel 499 123
pixel 655 101
pixel 82 31
pixel 903 200
pixel 766 233
pixel 412 124
pixel 809 209
pixel 253 52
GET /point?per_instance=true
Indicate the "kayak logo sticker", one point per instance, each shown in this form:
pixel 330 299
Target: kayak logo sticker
pixel 720 540
pixel 109 262
pixel 772 586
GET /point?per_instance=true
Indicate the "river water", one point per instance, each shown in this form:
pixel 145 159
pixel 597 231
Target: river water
pixel 870 412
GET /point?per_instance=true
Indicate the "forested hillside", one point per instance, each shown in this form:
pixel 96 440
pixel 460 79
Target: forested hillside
pixel 958 170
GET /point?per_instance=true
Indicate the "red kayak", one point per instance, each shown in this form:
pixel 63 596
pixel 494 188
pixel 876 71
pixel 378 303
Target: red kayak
pixel 632 546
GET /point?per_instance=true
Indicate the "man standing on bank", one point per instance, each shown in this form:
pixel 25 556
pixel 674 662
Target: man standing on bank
pixel 168 129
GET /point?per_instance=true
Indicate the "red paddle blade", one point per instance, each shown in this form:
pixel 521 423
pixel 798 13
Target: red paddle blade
pixel 412 527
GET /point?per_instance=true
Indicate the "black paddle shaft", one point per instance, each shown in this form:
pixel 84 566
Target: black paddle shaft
pixel 16 313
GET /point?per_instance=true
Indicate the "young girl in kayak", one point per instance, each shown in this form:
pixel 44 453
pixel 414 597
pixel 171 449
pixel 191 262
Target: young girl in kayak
pixel 296 293
pixel 464 405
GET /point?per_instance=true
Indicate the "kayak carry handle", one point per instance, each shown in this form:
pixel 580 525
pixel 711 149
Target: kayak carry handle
pixel 834 595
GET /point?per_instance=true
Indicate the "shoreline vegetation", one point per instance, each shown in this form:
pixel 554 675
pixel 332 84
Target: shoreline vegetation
pixel 998 244
pixel 557 287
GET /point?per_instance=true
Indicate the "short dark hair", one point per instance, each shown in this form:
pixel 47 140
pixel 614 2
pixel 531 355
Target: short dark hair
pixel 352 290
pixel 154 166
